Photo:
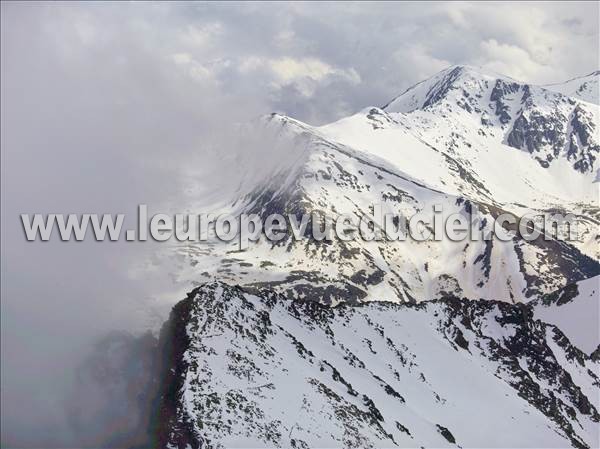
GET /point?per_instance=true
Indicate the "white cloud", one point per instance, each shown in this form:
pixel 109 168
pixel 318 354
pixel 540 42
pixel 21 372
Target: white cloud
pixel 541 43
pixel 306 74
pixel 289 69
pixel 202 35
pixel 318 64
pixel 508 59
pixel 182 58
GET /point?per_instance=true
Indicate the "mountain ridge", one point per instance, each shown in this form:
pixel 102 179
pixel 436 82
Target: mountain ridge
pixel 308 343
pixel 371 370
pixel 407 162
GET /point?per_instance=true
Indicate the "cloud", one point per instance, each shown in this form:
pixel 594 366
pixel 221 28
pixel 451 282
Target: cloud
pixel 290 69
pixel 509 59
pixel 305 74
pixel 328 59
pixel 541 43
pixel 203 35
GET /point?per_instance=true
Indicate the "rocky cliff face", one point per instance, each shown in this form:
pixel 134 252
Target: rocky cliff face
pixel 544 121
pixel 263 371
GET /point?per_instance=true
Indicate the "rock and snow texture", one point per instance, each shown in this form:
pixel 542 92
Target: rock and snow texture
pixel 463 139
pixel 247 370
pixel 585 88
pixel 575 309
pixel 514 363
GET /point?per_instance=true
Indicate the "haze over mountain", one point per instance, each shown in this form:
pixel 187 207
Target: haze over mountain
pixel 108 106
pixel 464 139
pixel 413 343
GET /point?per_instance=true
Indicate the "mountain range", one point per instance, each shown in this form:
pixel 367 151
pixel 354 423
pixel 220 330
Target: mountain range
pixel 462 139
pixel 308 343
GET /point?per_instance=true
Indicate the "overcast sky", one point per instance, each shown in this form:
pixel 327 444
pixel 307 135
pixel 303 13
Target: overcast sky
pixel 108 105
pixel 314 61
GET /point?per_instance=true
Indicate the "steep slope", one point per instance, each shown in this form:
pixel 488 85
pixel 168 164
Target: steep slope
pixel 586 88
pixel 480 116
pixel 575 309
pixel 261 371
pixel 268 364
pixel 333 179
pixel 465 140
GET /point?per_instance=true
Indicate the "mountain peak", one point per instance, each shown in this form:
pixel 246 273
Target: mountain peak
pixel 475 81
pixel 466 69
pixel 457 78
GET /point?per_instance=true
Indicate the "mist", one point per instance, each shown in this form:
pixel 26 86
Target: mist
pixel 107 106
pixel 95 127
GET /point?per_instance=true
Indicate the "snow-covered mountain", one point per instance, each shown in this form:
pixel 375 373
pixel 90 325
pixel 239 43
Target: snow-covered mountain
pixel 463 139
pixel 584 87
pixel 575 309
pixel 244 370
pixel 483 109
pixel 401 343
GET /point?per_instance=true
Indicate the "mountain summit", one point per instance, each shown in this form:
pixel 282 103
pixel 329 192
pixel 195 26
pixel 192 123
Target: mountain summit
pixel 402 343
pixel 543 121
pixel 462 139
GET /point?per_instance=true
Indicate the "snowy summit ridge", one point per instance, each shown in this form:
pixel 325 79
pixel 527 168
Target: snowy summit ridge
pixel 402 343
pixel 448 140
